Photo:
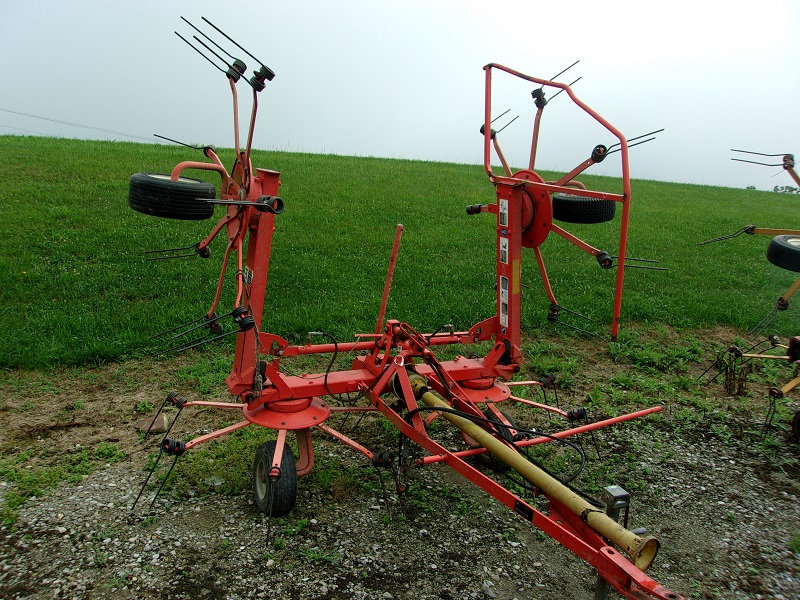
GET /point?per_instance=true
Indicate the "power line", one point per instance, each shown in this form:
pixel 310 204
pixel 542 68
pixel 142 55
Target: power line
pixel 23 130
pixel 16 112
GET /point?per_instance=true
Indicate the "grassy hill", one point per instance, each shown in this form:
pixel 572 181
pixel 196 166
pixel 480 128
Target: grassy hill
pixel 75 287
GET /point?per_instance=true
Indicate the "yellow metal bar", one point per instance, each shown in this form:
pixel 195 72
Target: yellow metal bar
pixel 768 231
pixel 792 289
pixel 641 550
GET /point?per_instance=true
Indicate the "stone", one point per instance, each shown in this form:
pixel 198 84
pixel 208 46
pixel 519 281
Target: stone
pixel 159 424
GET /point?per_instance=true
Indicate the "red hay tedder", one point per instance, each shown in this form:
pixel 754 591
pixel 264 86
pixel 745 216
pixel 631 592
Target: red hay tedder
pixel 395 370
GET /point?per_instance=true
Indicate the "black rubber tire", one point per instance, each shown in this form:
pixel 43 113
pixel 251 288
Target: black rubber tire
pixel 577 209
pixel 784 252
pixel 279 497
pixel 158 195
pixel 796 427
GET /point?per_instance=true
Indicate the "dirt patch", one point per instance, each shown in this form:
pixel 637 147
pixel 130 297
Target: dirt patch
pixel 721 497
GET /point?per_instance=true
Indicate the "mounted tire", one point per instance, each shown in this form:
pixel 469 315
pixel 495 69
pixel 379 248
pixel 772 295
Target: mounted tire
pixel 578 209
pixel 784 252
pixel 274 498
pixel 158 195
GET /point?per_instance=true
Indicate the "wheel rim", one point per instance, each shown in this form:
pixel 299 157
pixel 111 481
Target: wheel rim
pixel 261 480
pixel 793 241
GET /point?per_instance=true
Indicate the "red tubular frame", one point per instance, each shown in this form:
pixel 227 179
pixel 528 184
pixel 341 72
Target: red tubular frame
pixel 508 190
pixel 270 398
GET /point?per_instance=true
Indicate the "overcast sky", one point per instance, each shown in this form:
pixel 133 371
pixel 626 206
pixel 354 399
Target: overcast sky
pixel 404 79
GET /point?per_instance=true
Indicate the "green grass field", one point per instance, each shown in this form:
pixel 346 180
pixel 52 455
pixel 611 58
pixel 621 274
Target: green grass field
pixel 75 288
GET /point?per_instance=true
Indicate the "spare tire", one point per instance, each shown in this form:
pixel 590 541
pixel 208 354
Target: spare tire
pixel 784 252
pixel 580 209
pixel 158 195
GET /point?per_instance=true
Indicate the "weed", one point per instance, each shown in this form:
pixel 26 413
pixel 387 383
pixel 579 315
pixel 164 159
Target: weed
pixel 297 527
pixel 722 432
pixel 794 543
pixel 99 555
pixel 116 581
pixel 143 407
pixel 109 452
pixel 317 555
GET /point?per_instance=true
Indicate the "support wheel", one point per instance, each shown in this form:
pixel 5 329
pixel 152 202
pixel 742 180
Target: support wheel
pixel 274 498
pixel 158 195
pixel 784 252
pixel 796 427
pixel 578 209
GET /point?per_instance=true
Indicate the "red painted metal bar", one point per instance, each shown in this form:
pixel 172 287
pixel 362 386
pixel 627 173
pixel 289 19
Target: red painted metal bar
pixel 277 456
pixel 623 248
pixel 215 434
pixel 501 156
pixel 793 174
pixel 221 280
pixel 533 404
pixel 535 138
pixel 237 405
pixel 389 275
pixel 235 117
pixel 487 123
pixel 346 440
pixel 250 132
pixel 576 171
pixel 192 164
pixel 574 240
pixel 545 279
pixel 305 450
pixel 553 188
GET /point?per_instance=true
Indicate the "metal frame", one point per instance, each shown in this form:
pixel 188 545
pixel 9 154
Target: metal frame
pixel 526 191
pixel 398 362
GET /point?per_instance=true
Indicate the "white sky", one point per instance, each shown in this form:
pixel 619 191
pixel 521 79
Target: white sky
pixel 404 79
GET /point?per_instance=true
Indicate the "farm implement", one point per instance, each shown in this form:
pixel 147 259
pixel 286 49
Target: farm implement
pixel 783 251
pixel 394 373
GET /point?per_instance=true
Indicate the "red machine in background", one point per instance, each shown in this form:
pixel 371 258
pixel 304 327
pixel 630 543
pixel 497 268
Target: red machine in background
pixel 395 371
pixel 783 251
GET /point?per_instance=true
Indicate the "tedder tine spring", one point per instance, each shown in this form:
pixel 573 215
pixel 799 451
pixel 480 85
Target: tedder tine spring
pixel 217 67
pixel 612 148
pixel 204 320
pixel 744 229
pixel 198 342
pixel 163 482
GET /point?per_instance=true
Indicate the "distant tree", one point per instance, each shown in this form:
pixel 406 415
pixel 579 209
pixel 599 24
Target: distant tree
pixel 786 189
pixel 750 187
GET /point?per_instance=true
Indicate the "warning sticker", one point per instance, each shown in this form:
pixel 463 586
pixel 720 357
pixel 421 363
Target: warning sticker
pixel 504 301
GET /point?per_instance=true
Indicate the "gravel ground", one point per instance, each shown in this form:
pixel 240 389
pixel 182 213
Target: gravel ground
pixel 724 508
pixel 724 520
